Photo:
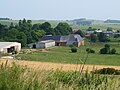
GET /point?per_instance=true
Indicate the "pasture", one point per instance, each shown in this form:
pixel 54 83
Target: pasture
pixel 63 54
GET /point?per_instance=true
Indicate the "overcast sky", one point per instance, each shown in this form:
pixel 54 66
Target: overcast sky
pixel 60 9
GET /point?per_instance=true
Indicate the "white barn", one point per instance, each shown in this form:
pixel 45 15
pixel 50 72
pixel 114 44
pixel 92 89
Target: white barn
pixel 8 47
pixel 42 44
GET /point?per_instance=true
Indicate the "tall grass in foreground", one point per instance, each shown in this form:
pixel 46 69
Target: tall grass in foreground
pixel 17 77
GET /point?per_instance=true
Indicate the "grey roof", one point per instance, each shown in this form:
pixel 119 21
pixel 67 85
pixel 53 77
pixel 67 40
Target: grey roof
pixel 73 38
pixel 5 44
pixel 46 41
pixel 64 38
pixel 56 38
pixel 78 38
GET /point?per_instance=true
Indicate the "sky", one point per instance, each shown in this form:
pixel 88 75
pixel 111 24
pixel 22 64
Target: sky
pixel 60 9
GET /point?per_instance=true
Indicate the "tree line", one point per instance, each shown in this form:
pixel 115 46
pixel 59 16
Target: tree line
pixel 25 32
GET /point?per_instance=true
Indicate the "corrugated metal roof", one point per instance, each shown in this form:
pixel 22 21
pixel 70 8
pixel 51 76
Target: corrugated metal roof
pixel 46 41
pixel 56 38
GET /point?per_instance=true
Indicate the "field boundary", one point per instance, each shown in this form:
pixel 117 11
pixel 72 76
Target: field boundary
pixel 54 66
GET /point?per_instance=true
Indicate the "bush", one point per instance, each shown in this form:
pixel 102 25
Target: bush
pixel 113 51
pixel 107 46
pixel 88 50
pixel 106 50
pixel 110 71
pixel 103 51
pixel 74 49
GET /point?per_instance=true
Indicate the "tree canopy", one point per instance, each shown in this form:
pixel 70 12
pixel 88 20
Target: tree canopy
pixel 25 32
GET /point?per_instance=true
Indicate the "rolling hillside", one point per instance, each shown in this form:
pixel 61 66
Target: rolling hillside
pixel 98 24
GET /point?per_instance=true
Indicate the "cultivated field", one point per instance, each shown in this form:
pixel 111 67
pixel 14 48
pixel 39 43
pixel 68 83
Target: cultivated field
pixel 54 66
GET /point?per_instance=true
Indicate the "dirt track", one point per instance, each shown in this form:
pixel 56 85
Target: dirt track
pixel 49 66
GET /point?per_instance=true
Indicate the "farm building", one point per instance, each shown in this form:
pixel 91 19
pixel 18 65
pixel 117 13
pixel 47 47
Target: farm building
pixel 72 39
pixel 9 47
pixel 42 44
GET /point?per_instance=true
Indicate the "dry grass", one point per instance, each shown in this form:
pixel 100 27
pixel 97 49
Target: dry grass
pixel 54 66
pixel 14 76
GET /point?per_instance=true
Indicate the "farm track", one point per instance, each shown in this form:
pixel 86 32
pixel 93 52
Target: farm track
pixel 49 66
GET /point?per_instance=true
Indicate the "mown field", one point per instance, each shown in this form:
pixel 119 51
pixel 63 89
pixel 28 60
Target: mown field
pixel 64 55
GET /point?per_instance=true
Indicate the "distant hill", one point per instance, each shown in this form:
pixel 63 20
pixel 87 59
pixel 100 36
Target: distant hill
pixel 112 21
pixel 82 21
pixel 5 19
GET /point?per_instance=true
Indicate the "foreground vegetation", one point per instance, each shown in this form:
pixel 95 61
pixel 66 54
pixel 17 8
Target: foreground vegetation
pixel 17 77
pixel 64 55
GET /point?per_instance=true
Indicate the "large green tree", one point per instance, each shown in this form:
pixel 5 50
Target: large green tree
pixel 81 33
pixel 46 26
pixel 63 29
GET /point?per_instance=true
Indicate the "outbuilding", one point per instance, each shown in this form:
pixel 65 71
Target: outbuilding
pixel 9 47
pixel 72 39
pixel 42 44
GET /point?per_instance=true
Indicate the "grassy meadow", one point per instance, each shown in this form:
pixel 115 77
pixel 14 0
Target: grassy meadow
pixel 63 54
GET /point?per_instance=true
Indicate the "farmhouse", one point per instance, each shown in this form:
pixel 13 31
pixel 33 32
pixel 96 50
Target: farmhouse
pixel 9 47
pixel 72 39
pixel 42 44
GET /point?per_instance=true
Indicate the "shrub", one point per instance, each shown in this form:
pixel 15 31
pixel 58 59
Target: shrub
pixel 74 49
pixel 106 50
pixel 107 46
pixel 110 71
pixel 88 50
pixel 113 51
pixel 103 51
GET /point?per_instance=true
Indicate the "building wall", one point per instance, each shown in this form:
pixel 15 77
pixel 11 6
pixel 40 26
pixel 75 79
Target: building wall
pixel 17 47
pixel 78 44
pixel 51 44
pixel 42 45
pixel 62 43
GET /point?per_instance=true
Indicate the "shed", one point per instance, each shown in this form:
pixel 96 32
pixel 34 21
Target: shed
pixel 42 44
pixel 9 47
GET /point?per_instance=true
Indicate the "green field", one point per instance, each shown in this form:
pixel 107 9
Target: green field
pixel 96 24
pixel 64 55
pixel 52 22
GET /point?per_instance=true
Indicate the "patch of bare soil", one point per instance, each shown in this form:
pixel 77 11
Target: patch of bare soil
pixel 54 66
